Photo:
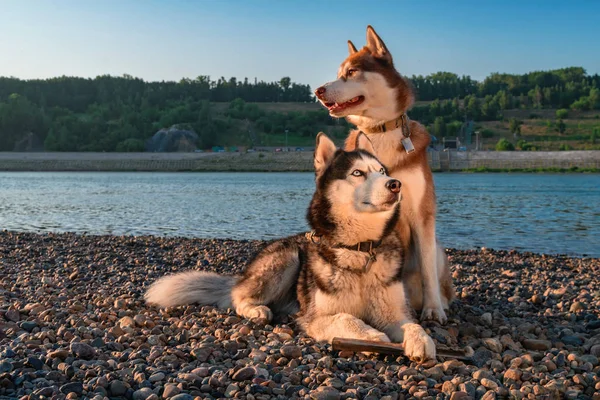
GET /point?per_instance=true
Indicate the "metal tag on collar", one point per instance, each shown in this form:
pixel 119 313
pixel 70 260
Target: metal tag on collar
pixel 406 142
pixel 408 145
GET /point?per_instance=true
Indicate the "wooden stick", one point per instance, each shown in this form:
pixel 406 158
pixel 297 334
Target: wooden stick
pixel 358 345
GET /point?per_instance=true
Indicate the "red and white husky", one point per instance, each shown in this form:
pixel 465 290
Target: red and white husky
pixel 372 95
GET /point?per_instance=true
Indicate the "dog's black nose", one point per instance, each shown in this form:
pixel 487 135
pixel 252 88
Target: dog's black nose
pixel 320 91
pixel 393 185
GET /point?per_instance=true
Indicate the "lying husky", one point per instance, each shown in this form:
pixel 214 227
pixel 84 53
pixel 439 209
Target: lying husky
pixel 372 95
pixel 344 279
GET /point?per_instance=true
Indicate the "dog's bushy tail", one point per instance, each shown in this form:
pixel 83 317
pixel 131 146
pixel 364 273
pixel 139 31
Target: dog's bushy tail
pixel 205 288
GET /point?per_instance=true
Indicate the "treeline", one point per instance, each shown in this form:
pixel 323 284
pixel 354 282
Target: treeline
pixel 558 88
pixel 120 113
pixel 117 126
pixel 77 94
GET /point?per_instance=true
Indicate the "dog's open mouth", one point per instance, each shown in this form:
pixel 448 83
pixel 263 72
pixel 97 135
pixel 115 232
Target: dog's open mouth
pixel 337 107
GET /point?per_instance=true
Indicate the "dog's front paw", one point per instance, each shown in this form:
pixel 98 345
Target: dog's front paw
pixel 377 336
pixel 374 334
pixel 418 346
pixel 263 312
pixel 434 314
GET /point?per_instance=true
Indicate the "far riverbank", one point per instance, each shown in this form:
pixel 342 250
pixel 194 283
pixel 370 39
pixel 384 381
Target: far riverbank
pixel 479 161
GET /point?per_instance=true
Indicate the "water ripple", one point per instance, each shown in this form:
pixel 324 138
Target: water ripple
pixel 548 213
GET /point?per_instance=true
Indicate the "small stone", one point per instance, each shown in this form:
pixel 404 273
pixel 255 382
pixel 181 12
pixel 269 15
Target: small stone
pixel 202 353
pixel 325 393
pixel 83 350
pixel 183 396
pixel 576 306
pixel 142 394
pixel 513 373
pixel 489 384
pixel 73 387
pixel 291 351
pixel 126 322
pixel 170 391
pixel 5 366
pixel 35 362
pixel 120 304
pixel 481 357
pixel 489 395
pixel 435 373
pixel 537 344
pixel 571 340
pixel 460 396
pixel 486 318
pixel 157 377
pixel 231 390
pixel 593 325
pixel 550 365
pixel 29 325
pixel 493 344
pixel 448 387
pixel 12 315
pixel 595 350
pixel 481 373
pixel 536 299
pixel 244 374
pixel 117 388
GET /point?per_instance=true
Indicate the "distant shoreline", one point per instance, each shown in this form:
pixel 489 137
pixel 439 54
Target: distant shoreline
pixel 471 162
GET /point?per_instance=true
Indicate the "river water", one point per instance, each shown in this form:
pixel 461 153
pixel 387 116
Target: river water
pixel 544 213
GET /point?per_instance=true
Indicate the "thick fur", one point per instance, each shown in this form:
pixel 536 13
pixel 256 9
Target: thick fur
pixel 368 92
pixel 192 287
pixel 332 290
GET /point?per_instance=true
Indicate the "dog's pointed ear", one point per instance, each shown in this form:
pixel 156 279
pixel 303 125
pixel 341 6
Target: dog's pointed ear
pixel 376 45
pixel 363 143
pixel 351 48
pixel 324 151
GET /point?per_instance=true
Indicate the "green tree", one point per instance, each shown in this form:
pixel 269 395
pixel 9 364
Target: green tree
pixel 473 108
pixel 563 113
pixel 439 127
pixel 504 145
pixel 594 98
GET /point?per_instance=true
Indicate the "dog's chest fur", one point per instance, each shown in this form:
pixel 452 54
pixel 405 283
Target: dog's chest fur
pixel 409 169
pixel 337 280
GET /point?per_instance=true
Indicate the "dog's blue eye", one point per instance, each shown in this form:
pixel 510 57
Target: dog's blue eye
pixel 357 173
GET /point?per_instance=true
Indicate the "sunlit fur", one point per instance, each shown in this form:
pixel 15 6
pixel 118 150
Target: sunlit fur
pixel 331 289
pixel 370 72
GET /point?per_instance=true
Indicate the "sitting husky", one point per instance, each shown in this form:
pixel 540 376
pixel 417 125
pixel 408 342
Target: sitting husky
pixel 343 279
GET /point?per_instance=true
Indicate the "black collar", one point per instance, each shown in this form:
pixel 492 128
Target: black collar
pixel 365 247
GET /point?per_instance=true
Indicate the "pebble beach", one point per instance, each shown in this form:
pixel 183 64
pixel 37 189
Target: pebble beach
pixel 73 324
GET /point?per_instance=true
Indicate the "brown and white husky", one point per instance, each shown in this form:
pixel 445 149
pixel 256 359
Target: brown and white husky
pixel 372 95
pixel 344 279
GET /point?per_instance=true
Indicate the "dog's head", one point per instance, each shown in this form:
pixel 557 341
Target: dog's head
pixel 355 200
pixel 368 89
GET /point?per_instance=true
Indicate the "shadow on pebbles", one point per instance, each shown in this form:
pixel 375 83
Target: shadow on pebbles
pixel 73 325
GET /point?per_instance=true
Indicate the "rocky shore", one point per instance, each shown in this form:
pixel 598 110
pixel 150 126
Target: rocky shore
pixel 73 325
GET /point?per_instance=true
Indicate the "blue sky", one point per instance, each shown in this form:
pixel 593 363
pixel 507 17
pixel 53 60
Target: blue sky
pixel 305 40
